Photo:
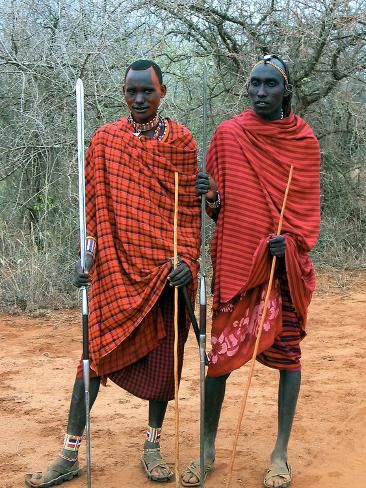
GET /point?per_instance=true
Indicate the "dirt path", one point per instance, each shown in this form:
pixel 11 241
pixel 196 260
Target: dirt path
pixel 327 449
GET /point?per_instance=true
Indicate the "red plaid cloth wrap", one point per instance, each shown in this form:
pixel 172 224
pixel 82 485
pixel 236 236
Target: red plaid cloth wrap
pixel 129 210
pixel 250 159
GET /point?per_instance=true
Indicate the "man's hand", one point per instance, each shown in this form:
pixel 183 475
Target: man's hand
pixel 277 246
pixel 205 185
pixel 83 278
pixel 180 276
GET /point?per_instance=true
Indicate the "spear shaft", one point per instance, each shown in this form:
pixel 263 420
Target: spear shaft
pixel 202 292
pixel 84 293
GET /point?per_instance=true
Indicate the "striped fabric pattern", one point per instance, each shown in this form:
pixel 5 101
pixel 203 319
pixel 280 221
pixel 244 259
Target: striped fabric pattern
pixel 250 159
pixel 285 352
pixel 129 210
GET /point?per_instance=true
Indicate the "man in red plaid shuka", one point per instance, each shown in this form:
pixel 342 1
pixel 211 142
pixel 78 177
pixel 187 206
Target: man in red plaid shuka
pixel 248 165
pixel 130 166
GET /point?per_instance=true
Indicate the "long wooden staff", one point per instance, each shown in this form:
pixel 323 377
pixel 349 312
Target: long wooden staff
pixel 176 336
pixel 82 219
pixel 253 360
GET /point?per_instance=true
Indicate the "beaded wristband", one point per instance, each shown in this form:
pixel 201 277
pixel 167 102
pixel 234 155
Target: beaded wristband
pixel 90 245
pixel 216 203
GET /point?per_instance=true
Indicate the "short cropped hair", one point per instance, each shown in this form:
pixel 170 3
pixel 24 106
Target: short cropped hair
pixel 142 64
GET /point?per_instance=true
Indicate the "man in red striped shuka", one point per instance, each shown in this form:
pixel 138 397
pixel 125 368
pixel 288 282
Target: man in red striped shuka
pixel 248 165
pixel 130 167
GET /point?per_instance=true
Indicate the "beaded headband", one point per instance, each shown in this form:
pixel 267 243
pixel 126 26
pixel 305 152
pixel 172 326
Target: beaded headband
pixel 267 60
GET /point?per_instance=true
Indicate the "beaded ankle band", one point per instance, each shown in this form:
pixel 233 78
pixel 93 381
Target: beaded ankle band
pixel 153 434
pixel 72 442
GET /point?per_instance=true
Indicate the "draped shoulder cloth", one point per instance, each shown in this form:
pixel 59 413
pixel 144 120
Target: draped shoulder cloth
pixel 129 210
pixel 250 159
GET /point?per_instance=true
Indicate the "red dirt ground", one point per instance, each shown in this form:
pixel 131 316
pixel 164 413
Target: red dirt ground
pixel 327 449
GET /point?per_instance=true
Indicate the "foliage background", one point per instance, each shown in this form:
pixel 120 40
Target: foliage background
pixel 45 45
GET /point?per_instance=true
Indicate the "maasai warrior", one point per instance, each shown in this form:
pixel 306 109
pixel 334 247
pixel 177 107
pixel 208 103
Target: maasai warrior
pixel 129 173
pixel 248 166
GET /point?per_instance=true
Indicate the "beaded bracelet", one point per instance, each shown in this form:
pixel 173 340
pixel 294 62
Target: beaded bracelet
pixel 90 245
pixel 216 203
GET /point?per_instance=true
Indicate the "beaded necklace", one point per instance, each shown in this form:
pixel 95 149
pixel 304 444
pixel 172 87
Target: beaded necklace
pixel 157 123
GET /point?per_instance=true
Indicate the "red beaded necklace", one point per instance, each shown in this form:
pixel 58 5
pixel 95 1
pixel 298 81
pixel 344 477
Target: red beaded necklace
pixel 139 128
pixel 157 123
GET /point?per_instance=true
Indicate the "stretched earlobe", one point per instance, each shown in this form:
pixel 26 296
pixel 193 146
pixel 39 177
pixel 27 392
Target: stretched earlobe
pixel 288 89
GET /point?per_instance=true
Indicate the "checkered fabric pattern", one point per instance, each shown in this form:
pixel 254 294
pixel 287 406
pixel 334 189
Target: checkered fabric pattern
pixel 129 210
pixel 152 377
pixel 144 363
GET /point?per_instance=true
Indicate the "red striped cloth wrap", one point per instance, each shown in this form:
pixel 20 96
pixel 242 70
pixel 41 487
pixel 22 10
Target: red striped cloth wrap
pixel 250 159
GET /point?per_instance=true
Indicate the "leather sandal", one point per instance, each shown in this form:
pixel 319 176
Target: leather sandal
pixel 156 463
pixel 55 475
pixel 194 469
pixel 275 471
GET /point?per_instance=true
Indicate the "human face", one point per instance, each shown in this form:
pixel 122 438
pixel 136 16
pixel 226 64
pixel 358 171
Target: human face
pixel 266 90
pixel 143 92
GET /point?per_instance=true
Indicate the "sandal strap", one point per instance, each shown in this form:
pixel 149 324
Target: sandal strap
pixel 273 472
pixel 194 469
pixel 152 451
pixel 158 463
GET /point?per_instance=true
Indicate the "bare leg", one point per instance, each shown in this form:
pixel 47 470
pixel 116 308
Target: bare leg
pixel 77 415
pixel 65 469
pixel 214 397
pixel 288 393
pixel 157 411
pixel 157 469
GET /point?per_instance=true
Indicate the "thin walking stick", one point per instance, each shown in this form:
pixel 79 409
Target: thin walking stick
pixel 84 296
pixel 176 336
pixel 252 363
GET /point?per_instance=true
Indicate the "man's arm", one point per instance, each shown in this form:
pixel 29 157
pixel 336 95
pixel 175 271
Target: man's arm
pixel 206 185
